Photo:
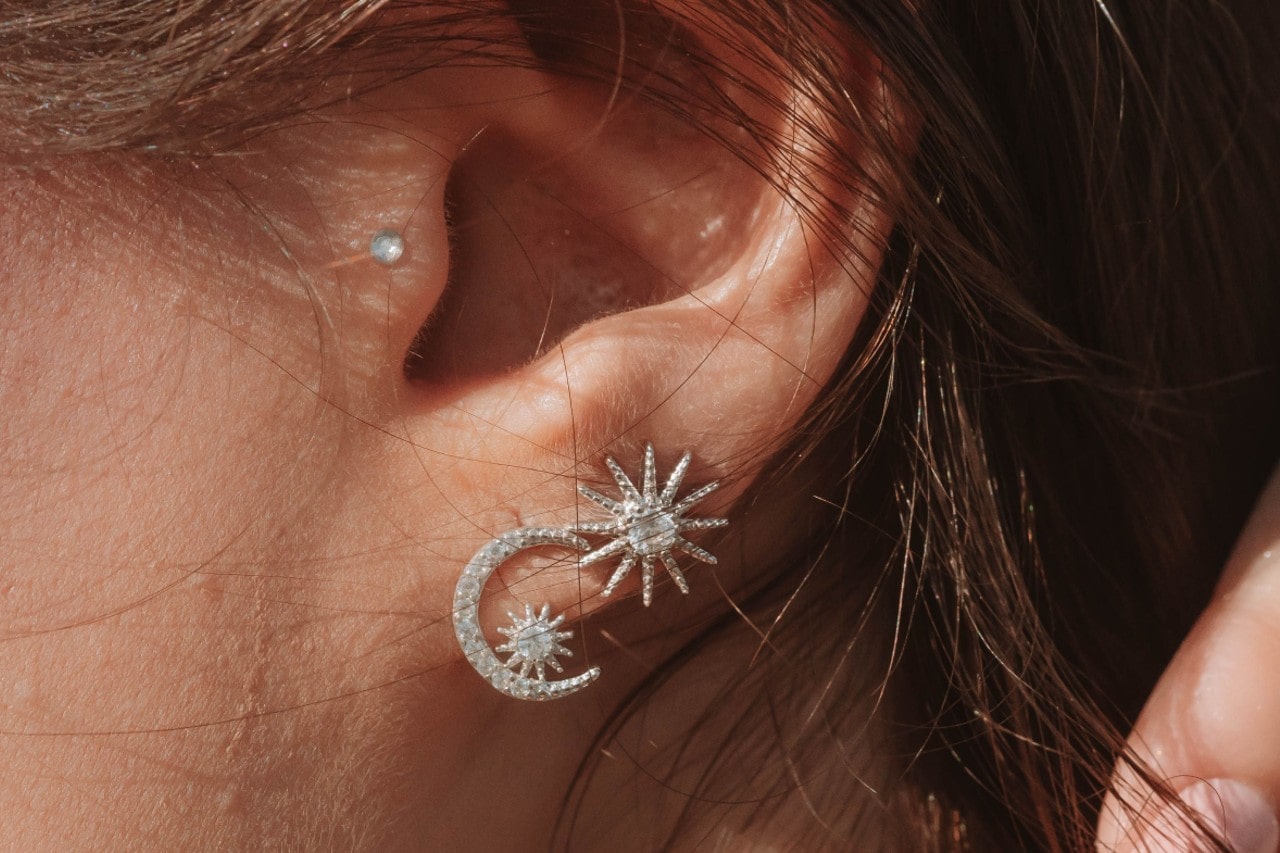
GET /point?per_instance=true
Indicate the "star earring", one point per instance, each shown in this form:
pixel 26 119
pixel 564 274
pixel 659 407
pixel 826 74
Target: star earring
pixel 647 526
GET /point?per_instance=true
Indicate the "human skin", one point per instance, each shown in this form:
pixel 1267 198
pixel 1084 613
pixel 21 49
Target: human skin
pixel 1210 727
pixel 233 523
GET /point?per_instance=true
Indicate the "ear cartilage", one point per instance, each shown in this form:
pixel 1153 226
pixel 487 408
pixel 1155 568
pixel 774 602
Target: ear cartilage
pixel 387 246
pixel 646 527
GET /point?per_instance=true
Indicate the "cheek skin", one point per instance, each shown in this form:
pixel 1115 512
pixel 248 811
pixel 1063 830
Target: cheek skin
pixel 192 559
pixel 163 461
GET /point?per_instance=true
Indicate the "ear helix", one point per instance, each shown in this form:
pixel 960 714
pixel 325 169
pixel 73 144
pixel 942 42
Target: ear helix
pixel 647 525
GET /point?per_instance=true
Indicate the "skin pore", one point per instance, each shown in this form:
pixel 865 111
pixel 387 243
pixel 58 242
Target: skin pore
pixel 244 468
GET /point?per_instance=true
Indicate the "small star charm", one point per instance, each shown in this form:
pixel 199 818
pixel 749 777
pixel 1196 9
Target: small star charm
pixel 647 525
pixel 534 642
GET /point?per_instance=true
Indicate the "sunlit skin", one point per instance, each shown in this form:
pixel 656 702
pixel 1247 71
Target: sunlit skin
pixel 233 522
pixel 244 463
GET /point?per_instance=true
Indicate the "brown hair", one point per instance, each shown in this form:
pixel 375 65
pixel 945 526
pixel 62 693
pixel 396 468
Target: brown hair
pixel 1039 448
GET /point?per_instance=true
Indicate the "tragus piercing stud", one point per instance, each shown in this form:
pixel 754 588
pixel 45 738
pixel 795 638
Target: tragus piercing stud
pixel 387 246
pixel 647 525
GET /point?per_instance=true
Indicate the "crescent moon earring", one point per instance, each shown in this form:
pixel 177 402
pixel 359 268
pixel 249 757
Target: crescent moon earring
pixel 647 526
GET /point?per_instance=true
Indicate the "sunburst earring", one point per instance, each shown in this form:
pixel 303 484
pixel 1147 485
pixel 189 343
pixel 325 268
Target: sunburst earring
pixel 647 525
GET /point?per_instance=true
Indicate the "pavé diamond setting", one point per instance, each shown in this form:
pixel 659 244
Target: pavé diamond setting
pixel 647 526
pixel 466 619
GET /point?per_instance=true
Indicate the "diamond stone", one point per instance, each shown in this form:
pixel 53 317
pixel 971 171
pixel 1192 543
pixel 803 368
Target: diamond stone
pixel 652 533
pixel 387 246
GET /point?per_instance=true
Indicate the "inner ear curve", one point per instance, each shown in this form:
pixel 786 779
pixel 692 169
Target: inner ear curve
pixel 699 300
pixel 556 223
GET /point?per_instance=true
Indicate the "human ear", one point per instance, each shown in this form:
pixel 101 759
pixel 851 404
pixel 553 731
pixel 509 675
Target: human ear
pixel 618 275
pixel 590 265
pixel 588 268
pixel 641 284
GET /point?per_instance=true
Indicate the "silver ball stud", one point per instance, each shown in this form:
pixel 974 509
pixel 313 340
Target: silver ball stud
pixel 387 246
